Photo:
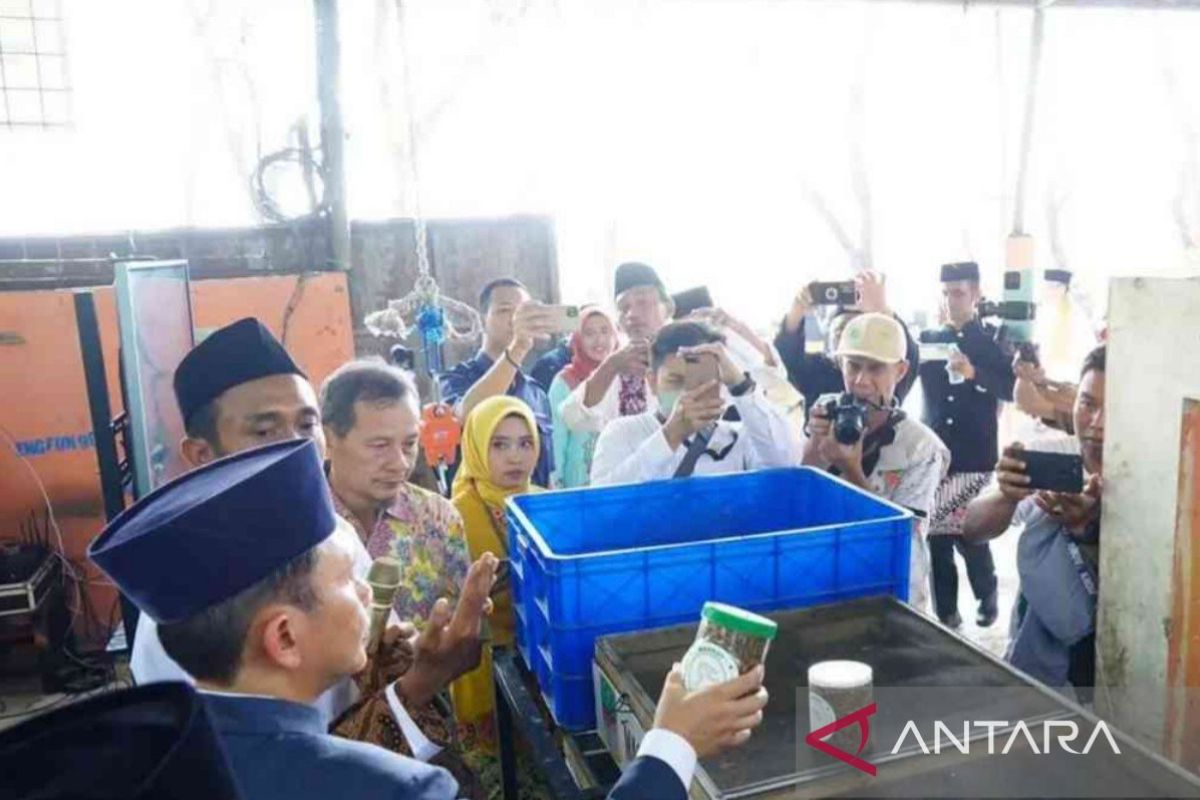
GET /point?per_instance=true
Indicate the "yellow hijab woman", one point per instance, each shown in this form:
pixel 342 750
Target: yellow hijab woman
pixel 499 450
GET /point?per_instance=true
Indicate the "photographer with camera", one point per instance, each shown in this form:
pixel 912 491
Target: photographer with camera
pixel 864 437
pixel 694 380
pixel 1059 551
pixel 962 405
pixel 815 375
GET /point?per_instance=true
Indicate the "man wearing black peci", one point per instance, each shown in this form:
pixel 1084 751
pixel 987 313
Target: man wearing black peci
pixel 962 396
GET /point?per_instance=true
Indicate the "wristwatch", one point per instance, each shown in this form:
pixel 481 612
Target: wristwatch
pixel 743 388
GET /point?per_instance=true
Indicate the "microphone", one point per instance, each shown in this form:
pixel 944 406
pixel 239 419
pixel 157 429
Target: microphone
pixel 384 580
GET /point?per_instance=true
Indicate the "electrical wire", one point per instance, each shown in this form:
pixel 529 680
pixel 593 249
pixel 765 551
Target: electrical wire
pixel 292 304
pixel 264 203
pixel 75 576
pixel 62 548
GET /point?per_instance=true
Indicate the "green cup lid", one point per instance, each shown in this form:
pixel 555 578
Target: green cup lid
pixel 739 620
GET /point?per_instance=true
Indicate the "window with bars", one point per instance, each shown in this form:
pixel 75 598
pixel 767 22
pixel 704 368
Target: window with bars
pixel 35 90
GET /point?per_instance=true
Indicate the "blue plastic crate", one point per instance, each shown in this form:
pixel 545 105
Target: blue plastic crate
pixel 590 562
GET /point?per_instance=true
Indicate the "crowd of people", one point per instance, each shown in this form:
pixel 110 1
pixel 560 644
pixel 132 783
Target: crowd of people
pixel 269 619
pixel 617 403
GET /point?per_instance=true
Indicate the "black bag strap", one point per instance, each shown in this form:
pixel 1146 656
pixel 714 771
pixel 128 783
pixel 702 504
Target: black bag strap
pixel 696 449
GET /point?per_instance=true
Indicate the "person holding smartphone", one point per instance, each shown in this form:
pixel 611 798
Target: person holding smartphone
pixel 693 380
pixel 618 386
pixel 512 323
pixel 1058 555
pixel 817 374
pixel 1049 402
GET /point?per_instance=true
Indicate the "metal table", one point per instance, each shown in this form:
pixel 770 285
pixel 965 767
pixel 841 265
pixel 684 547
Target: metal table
pixel 921 671
pixel 519 713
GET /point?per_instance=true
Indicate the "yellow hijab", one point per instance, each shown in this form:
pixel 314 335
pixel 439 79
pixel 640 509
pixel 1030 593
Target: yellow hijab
pixel 474 475
pixel 481 504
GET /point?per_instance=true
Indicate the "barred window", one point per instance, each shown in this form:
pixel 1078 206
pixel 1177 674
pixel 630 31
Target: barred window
pixel 35 89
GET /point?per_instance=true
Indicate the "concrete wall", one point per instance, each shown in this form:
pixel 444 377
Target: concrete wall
pixel 1153 365
pixel 464 253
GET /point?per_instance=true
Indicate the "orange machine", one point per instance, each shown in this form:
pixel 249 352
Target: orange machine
pixel 46 435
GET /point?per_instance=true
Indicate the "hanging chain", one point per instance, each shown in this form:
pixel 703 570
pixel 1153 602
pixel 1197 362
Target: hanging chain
pixel 461 321
pixel 412 185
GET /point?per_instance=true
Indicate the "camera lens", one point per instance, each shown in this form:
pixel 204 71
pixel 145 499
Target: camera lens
pixel 849 421
pixel 831 294
pixel 847 431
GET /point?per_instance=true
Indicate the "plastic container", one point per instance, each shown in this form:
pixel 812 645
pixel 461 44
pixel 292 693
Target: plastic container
pixel 729 642
pixel 589 562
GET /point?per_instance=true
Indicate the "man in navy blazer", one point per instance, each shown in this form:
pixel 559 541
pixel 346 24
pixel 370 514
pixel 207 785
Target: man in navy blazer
pixel 257 599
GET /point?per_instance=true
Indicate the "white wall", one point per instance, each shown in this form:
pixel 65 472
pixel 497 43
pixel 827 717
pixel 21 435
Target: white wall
pixel 1153 364
pixel 688 133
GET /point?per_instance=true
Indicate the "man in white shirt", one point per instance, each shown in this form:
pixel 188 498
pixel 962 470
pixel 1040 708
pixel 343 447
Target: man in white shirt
pixel 896 458
pixel 685 434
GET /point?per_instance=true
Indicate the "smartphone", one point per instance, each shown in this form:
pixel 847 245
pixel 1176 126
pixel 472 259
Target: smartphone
pixel 1029 353
pixel 692 300
pixel 1053 472
pixel 700 369
pixel 837 293
pixel 502 578
pixel 563 319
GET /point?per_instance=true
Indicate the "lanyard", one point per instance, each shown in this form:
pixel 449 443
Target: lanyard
pixel 1085 574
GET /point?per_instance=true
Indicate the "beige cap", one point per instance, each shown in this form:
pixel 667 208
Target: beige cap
pixel 878 337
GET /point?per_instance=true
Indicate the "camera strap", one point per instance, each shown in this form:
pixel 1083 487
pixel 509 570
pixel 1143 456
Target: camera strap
pixel 875 441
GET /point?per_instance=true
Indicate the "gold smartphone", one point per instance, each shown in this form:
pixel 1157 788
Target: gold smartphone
pixel 563 319
pixel 700 369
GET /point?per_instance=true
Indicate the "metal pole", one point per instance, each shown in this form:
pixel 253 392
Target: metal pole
pixel 1031 94
pixel 333 132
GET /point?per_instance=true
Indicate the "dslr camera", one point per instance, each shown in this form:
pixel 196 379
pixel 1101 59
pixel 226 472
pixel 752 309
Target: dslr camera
pixel 1009 310
pixel 847 414
pixel 937 336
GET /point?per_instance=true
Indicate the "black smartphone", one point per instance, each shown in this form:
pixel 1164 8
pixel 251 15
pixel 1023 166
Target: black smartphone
pixel 1053 472
pixel 1029 353
pixel 502 580
pixel 692 300
pixel 837 293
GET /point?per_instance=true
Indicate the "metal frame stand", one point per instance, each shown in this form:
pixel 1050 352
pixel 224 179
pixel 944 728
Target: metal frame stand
pixel 116 474
pixel 519 714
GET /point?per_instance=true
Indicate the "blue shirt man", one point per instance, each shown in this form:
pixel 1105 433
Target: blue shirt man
pixel 512 322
